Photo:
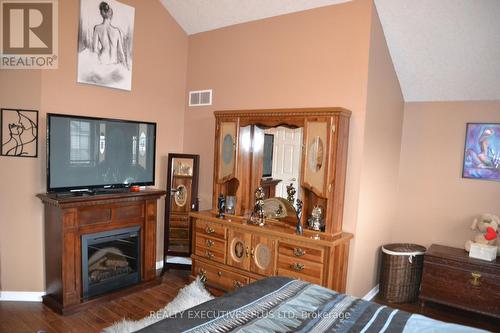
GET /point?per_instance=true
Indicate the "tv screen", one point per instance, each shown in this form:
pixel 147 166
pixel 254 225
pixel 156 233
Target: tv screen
pixel 84 152
pixel 267 167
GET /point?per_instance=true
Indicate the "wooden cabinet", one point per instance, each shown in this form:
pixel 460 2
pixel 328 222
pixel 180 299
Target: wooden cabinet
pixel 229 253
pixel 238 162
pixel 68 218
pixel 251 252
pixel 451 277
pixel 227 141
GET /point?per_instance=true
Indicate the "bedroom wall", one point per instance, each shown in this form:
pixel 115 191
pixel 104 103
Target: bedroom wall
pixel 312 58
pixel 158 94
pixel 437 205
pixel 380 165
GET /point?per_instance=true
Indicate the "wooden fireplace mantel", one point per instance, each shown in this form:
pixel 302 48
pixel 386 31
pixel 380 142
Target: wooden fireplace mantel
pixel 67 218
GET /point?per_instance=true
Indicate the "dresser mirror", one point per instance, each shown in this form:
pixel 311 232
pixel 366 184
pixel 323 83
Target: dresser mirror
pixel 273 149
pixel 181 198
pixel 279 152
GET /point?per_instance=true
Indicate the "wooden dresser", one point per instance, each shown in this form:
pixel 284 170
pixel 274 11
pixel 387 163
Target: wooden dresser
pixel 450 277
pixel 310 158
pixel 230 253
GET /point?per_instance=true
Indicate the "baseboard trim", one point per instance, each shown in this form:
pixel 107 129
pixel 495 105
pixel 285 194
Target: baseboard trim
pixel 371 294
pixel 21 296
pixel 35 296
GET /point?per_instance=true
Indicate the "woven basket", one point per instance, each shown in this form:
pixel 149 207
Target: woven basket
pixel 401 272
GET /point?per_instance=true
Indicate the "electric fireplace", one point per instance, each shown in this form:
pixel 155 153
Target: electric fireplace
pixel 110 260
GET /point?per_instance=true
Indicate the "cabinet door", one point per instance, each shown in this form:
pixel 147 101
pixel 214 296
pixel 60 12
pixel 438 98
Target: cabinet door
pixel 317 137
pixel 228 142
pixel 239 249
pixel 263 254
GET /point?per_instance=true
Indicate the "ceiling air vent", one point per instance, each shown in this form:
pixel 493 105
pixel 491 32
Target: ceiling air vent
pixel 200 97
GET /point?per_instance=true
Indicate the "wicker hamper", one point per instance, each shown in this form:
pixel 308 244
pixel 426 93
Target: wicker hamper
pixel 401 272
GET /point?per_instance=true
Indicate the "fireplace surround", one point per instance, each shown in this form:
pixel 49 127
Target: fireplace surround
pixel 68 222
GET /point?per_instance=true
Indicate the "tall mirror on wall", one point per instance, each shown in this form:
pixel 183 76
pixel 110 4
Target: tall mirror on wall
pixel 181 198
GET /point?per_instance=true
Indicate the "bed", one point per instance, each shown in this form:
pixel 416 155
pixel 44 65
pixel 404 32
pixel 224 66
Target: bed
pixel 279 304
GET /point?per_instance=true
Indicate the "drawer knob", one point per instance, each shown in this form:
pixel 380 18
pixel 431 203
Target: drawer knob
pixel 203 275
pixel 209 255
pixel 298 252
pixel 297 266
pixel 219 273
pixel 475 279
pixel 209 230
pixel 237 284
pixel 210 243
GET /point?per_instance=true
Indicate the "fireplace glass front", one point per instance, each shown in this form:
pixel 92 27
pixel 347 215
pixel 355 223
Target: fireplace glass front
pixel 110 260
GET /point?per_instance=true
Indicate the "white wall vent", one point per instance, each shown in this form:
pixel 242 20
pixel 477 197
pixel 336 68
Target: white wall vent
pixel 200 97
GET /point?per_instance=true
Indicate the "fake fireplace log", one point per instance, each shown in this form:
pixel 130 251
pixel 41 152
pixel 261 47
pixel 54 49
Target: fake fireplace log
pixel 107 263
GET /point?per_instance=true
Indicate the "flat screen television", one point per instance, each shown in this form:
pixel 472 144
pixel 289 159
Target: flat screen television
pixel 98 153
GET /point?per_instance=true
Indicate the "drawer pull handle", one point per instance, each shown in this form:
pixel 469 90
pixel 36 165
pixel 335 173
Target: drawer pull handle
pixel 298 252
pixel 209 255
pixel 297 267
pixel 475 279
pixel 247 252
pixel 210 243
pixel 237 284
pixel 203 275
pixel 252 252
pixel 209 230
pixel 219 273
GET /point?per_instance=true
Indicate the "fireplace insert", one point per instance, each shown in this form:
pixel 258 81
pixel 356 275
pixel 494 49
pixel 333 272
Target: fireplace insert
pixel 111 260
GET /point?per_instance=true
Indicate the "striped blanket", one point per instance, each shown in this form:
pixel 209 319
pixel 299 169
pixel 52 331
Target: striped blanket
pixel 283 305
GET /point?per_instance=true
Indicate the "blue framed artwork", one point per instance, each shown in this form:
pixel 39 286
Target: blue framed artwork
pixel 482 151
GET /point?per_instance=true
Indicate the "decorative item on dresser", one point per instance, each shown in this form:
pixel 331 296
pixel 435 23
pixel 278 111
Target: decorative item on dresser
pixel 450 277
pixel 231 251
pixel 181 198
pixel 90 239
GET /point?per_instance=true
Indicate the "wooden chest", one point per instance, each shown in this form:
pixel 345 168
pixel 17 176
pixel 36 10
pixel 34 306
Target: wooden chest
pixel 450 277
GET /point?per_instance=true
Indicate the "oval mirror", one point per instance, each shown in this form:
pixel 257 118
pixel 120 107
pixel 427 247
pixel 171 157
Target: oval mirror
pixel 180 196
pixel 315 154
pixel 227 149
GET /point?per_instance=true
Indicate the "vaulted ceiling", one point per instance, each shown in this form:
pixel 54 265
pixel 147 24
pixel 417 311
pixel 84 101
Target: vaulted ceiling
pixel 442 50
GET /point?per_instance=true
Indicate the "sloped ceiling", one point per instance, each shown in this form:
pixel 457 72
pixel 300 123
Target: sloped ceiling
pixel 203 15
pixel 442 50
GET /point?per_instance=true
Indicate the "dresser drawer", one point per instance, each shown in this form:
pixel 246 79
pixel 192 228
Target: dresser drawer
pixel 210 243
pixel 458 286
pixel 211 229
pixel 300 269
pixel 302 252
pixel 218 277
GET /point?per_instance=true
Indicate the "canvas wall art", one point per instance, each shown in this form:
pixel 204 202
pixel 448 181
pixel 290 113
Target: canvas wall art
pixel 105 40
pixel 482 151
pixel 19 132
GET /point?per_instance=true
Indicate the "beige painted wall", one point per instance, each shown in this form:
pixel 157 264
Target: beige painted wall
pixel 158 94
pixel 312 58
pixel 436 205
pixel 378 190
pixel 20 215
pixel 308 59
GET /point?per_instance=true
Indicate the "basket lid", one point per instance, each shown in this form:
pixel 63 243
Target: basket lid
pixel 403 249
